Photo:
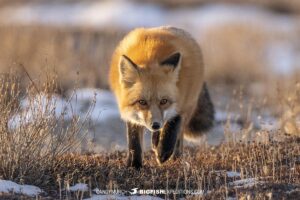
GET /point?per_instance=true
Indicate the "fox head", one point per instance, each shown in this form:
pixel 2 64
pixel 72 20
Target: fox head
pixel 149 92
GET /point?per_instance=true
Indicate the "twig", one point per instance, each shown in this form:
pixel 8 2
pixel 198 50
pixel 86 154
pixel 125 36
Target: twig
pixel 23 67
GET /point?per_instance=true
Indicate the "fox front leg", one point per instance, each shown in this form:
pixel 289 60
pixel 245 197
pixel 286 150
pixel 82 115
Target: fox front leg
pixel 168 139
pixel 155 140
pixel 134 138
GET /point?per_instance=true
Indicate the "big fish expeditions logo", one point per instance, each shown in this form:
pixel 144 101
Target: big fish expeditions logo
pixel 138 191
pixel 135 191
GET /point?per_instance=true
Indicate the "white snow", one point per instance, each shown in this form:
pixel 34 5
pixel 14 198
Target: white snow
pixel 9 186
pixel 93 107
pixel 105 104
pixel 248 182
pixel 268 123
pixel 222 116
pixel 40 105
pixel 79 187
pixel 107 131
pixel 231 198
pixel 283 57
pixel 99 105
pixel 232 174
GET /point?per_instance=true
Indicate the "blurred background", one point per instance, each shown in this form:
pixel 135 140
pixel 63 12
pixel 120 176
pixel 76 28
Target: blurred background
pixel 251 52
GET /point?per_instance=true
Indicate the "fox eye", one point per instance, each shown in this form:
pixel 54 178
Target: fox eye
pixel 163 101
pixel 142 102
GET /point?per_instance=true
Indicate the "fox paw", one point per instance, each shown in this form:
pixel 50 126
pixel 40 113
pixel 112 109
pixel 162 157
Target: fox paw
pixel 163 156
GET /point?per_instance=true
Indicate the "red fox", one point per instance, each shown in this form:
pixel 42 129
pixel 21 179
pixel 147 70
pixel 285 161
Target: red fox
pixel 156 75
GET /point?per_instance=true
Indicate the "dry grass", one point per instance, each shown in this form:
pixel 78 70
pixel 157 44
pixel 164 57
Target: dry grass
pixel 290 115
pixel 79 57
pixel 274 165
pixel 27 150
pixel 39 153
pixel 234 54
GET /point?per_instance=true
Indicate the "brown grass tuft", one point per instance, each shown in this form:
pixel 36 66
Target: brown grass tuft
pixel 29 148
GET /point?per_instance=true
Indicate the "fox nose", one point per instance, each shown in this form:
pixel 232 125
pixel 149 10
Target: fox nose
pixel 155 125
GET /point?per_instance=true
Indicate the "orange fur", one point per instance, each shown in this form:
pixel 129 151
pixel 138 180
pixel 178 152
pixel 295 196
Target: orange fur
pixel 147 48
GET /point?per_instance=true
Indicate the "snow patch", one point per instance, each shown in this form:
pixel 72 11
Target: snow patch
pixel 9 186
pixel 231 198
pixel 248 182
pixel 106 131
pixel 282 57
pixel 268 123
pixel 232 174
pixel 79 187
pixel 99 105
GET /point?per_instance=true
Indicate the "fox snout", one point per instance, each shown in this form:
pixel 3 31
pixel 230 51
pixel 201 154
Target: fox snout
pixel 155 118
pixel 155 126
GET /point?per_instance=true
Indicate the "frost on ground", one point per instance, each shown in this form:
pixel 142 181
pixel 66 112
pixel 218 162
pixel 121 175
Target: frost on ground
pixel 12 187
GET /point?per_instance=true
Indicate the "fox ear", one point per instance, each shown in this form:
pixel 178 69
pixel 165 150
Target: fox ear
pixel 128 70
pixel 173 60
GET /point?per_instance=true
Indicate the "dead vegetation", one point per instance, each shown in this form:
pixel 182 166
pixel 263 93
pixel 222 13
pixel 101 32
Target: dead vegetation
pixel 29 143
pixel 38 153
pixel 80 57
pixel 272 169
pixel 234 53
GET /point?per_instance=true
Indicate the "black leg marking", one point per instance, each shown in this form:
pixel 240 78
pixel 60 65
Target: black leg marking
pixel 155 139
pixel 178 149
pixel 134 133
pixel 203 118
pixel 168 139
